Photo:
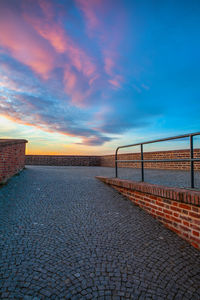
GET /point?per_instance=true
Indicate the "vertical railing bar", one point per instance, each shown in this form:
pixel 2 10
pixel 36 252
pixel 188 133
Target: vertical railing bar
pixel 116 170
pixel 191 162
pixel 142 163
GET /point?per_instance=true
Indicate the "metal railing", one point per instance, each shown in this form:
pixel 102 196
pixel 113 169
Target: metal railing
pixel 142 160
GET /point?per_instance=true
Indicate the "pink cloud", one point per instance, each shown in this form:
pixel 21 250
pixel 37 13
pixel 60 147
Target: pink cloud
pixel 48 30
pixel 111 68
pixel 70 80
pixel 108 65
pixel 72 86
pixel 116 81
pixel 95 12
pixel 95 77
pixel 80 60
pixel 54 33
pixel 47 8
pixel 38 40
pixel 76 88
pixel 80 67
pixel 36 37
pixel 24 45
pixel 89 9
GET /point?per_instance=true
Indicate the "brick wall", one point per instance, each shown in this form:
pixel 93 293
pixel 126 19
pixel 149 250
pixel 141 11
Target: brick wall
pixel 109 160
pixel 177 209
pixel 12 158
pixel 62 160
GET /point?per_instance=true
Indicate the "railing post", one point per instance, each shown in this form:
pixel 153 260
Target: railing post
pixel 116 170
pixel 191 162
pixel 142 164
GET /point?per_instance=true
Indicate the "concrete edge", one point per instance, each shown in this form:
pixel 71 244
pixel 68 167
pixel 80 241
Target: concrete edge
pixel 7 142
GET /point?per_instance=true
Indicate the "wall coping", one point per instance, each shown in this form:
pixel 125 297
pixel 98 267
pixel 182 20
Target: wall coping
pixel 61 155
pixel 153 152
pixel 108 155
pixel 6 142
pixel 172 193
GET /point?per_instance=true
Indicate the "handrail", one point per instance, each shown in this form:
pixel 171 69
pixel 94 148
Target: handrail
pixel 191 159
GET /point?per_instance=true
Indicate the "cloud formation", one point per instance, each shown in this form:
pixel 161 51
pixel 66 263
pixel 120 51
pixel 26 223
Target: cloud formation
pixel 96 70
pixel 49 77
pixel 95 14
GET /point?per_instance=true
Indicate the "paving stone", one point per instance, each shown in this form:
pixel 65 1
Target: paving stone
pixel 66 235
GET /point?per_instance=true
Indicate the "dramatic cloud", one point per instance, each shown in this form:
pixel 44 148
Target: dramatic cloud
pixel 96 70
pixel 96 13
pixel 55 119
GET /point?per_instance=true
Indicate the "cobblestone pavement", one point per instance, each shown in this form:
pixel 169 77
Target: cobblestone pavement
pixel 172 178
pixel 66 235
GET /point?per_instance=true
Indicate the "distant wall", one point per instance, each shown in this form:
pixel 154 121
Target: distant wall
pixel 12 158
pixel 109 160
pixel 62 160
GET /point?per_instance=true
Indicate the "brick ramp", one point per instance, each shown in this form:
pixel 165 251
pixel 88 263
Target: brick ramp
pixel 178 209
pixel 66 235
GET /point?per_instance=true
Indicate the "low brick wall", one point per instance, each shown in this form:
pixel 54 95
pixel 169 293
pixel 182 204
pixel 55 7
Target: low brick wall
pixel 177 209
pixel 12 158
pixel 62 160
pixel 109 160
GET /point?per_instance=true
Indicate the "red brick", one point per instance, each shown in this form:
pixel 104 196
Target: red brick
pixel 167 211
pixel 195 209
pixel 184 206
pixel 175 208
pixel 195 215
pixel 196 233
pixel 195 245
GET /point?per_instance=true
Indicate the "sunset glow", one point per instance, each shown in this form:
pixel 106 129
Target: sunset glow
pixel 84 76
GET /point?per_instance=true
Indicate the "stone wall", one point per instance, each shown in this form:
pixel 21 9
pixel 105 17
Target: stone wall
pixel 177 209
pixel 12 158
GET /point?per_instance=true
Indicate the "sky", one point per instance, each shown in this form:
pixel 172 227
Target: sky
pixel 85 76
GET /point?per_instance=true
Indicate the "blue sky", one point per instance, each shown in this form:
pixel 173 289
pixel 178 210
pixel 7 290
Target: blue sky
pixel 84 76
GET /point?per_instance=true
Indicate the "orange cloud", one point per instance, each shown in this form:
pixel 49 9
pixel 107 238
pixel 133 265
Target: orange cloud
pixel 18 120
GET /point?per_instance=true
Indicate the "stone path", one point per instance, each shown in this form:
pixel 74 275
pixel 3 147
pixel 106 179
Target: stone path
pixel 66 235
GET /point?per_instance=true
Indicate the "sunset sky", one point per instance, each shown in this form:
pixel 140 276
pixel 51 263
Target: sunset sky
pixel 85 76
